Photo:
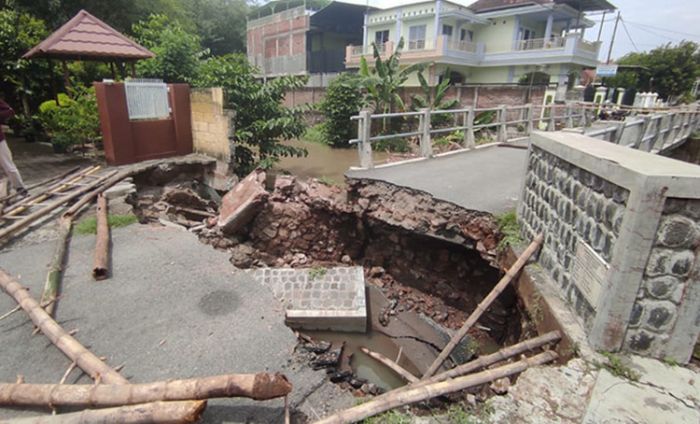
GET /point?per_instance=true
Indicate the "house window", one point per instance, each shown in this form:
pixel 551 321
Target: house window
pixel 381 37
pixel 466 35
pixel 447 30
pixel 416 37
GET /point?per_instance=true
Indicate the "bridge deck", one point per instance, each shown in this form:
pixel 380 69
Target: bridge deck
pixel 487 179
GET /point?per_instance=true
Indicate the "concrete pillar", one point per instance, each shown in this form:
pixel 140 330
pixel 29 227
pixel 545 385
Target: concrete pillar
pixel 426 148
pixel 516 33
pixel 438 11
pixel 562 82
pixel 364 147
pixel 399 25
pixel 548 28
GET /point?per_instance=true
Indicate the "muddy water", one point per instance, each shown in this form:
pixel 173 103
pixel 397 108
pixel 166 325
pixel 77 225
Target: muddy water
pixel 323 161
pixel 364 366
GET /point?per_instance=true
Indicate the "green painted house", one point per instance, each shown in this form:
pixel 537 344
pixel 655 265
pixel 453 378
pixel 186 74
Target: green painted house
pixel 487 41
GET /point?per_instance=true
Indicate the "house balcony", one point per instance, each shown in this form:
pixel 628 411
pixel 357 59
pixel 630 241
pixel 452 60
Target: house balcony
pixel 569 49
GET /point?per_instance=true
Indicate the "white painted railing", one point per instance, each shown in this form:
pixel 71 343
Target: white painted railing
pixel 541 43
pixel 652 132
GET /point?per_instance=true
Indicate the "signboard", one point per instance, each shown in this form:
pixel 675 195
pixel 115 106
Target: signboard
pixel 589 273
pixel 606 70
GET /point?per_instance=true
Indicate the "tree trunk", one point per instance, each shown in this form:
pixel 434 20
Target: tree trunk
pixel 262 386
pixel 66 343
pixel 483 306
pixel 398 369
pixel 397 398
pixel 152 413
pixel 55 274
pixel 99 270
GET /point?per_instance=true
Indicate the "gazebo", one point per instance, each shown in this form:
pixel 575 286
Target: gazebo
pixel 86 37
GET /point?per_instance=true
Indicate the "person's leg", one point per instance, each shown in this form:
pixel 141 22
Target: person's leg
pixel 8 166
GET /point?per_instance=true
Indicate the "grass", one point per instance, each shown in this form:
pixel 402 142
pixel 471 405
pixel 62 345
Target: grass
pixel 509 228
pixel 389 417
pixel 327 181
pixel 317 272
pixel 89 225
pixel 616 366
pixel 671 362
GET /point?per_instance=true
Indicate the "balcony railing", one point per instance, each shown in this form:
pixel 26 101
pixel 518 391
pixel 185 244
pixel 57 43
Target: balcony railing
pixel 589 46
pixel 462 46
pixel 540 44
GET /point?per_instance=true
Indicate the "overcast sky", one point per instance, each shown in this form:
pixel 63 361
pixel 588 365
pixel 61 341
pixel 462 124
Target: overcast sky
pixel 650 23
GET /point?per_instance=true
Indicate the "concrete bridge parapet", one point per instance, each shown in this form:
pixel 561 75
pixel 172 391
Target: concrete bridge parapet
pixel 622 230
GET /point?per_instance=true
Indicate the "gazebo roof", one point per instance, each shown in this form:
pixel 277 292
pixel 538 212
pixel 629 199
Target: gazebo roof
pixel 87 38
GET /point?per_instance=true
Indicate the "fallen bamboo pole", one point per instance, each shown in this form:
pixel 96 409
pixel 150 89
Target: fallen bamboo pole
pixel 41 183
pixel 18 225
pixel 262 386
pixel 109 182
pixel 55 274
pixel 154 413
pixel 398 369
pixel 484 304
pixel 99 269
pixel 66 343
pixel 54 189
pixel 418 394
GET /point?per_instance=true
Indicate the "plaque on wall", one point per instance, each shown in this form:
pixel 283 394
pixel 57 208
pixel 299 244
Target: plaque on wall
pixel 589 272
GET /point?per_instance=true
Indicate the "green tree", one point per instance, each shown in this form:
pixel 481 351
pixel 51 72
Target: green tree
pixel 221 24
pixel 22 80
pixel 260 120
pixel 343 100
pixel 177 51
pixel 668 70
pixel 385 79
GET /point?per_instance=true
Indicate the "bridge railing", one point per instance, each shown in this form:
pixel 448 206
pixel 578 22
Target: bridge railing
pixel 648 130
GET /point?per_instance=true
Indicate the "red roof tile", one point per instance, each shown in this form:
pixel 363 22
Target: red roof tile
pixel 86 37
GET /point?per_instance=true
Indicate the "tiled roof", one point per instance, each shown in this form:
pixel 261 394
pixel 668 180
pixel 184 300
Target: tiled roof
pixel 86 37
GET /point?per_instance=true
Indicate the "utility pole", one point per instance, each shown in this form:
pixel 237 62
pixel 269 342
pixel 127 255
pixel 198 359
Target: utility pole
pixel 602 22
pixel 612 41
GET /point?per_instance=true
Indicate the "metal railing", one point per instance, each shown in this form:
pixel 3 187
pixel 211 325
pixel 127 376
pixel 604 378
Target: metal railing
pixel 464 46
pixel 541 43
pixel 650 132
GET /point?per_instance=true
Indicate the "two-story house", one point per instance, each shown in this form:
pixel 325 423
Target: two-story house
pixel 489 41
pixel 303 37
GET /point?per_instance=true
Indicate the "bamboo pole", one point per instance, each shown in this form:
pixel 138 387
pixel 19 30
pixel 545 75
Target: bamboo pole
pixel 41 183
pixel 54 189
pixel 262 386
pixel 109 182
pixel 66 343
pixel 398 369
pixel 11 229
pixel 153 413
pixel 429 391
pixel 484 304
pixel 99 269
pixel 53 278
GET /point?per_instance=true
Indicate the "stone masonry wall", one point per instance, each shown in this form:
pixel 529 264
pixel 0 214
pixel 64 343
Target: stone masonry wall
pixel 569 204
pixel 671 268
pixel 210 123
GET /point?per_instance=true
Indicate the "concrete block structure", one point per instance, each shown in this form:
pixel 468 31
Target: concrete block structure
pixel 622 240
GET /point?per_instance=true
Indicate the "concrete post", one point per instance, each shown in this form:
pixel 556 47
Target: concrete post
pixel 365 145
pixel 551 125
pixel 364 31
pixel 657 141
pixel 502 127
pixel 426 148
pixel 640 138
pixel 530 119
pixel 671 134
pixel 569 116
pixel 399 25
pixel 438 12
pixel 618 133
pixel 516 34
pixel 469 141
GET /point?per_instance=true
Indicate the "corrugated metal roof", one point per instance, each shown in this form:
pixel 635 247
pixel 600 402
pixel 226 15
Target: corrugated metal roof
pixel 583 5
pixel 86 37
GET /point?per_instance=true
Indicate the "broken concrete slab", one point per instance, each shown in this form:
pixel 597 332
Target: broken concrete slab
pixel 320 298
pixel 240 205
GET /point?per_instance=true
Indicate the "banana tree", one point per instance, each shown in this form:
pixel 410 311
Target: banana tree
pixel 437 102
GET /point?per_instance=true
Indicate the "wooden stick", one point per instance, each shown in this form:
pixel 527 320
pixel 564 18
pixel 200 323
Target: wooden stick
pixel 44 182
pixel 398 369
pixel 262 386
pixel 484 304
pixel 66 343
pixel 53 278
pixel 99 270
pixel 11 229
pixel 15 309
pixel 421 393
pixel 67 373
pixel 156 413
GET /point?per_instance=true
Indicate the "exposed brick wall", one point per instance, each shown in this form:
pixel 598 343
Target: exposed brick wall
pixel 568 204
pixel 668 274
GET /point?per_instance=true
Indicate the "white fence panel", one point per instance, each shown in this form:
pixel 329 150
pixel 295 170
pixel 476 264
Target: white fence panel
pixel 147 100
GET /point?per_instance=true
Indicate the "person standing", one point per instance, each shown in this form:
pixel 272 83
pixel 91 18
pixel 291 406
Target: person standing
pixel 6 163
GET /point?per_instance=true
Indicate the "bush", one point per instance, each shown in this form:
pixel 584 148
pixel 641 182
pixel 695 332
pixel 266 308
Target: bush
pixel 343 100
pixel 261 122
pixel 73 121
